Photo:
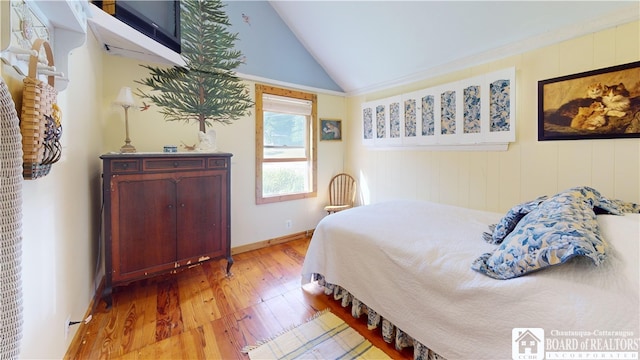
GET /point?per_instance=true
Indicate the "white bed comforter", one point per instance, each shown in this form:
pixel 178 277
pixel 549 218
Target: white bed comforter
pixel 410 262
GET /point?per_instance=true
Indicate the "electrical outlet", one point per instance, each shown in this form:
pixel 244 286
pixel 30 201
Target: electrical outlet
pixel 288 224
pixel 67 324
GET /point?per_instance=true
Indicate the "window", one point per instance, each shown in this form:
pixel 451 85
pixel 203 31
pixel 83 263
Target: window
pixel 285 144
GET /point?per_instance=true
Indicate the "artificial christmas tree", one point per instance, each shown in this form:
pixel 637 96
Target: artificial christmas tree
pixel 207 90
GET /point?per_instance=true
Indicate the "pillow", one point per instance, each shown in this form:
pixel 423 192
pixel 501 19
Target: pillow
pixel 558 229
pixel 510 220
pixel 622 234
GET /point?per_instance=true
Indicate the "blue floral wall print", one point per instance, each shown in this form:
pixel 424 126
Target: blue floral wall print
pixel 477 112
pixel 380 118
pixel 499 106
pixel 448 113
pixel 410 118
pixel 471 114
pixel 367 123
pixel 394 120
pixel 428 116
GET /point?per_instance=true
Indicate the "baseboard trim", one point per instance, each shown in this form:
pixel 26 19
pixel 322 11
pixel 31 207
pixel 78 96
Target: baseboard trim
pixel 95 301
pixel 266 243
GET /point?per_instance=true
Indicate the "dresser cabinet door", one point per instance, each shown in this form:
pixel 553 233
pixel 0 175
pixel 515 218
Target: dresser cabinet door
pixel 201 217
pixel 144 214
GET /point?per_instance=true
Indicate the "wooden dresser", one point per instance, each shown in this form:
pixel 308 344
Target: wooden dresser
pixel 164 211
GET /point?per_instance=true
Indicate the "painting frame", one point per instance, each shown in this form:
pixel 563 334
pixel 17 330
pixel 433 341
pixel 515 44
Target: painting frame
pixel 330 130
pixel 596 104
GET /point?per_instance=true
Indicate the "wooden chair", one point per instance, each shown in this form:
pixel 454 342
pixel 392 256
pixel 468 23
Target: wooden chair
pixel 342 193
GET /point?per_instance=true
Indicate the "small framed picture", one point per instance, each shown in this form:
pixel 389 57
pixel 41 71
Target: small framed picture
pixel 330 129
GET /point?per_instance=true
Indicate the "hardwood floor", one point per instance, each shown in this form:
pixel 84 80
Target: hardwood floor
pixel 199 313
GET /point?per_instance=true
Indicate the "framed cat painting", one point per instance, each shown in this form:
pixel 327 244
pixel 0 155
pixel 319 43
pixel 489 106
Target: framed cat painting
pixel 598 104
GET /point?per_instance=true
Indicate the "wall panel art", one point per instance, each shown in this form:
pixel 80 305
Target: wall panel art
pixel 478 110
pixel 367 124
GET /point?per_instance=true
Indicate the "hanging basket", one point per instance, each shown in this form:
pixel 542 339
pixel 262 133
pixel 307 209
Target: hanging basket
pixel 40 120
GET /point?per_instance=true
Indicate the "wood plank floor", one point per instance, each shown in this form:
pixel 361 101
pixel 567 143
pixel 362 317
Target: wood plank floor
pixel 199 313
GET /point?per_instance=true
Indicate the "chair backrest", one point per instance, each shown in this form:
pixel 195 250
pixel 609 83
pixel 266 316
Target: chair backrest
pixel 342 190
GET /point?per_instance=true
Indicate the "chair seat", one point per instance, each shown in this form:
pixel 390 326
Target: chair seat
pixel 336 208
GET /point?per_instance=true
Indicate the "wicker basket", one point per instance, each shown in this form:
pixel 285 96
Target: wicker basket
pixel 37 104
pixel 33 171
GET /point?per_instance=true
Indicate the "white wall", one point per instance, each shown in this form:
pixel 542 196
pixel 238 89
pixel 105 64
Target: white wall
pixel 498 180
pixel 60 215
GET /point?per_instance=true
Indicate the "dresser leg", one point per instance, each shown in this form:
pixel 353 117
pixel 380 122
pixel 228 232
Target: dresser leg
pixel 229 264
pixel 107 297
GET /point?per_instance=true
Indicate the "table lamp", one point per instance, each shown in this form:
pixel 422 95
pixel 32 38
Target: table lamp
pixel 125 99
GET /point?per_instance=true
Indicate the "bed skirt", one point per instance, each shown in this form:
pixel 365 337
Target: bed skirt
pixel 390 333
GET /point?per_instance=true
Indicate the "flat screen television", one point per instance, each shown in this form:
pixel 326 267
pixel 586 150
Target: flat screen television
pixel 159 20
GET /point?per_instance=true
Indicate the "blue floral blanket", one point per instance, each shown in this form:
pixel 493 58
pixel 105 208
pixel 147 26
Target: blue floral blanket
pixel 549 231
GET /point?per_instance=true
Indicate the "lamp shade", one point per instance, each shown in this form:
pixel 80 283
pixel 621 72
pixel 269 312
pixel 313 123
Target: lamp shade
pixel 125 98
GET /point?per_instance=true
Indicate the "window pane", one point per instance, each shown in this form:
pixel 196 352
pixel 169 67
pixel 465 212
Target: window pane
pixel 285 144
pixel 284 135
pixel 285 178
pixel 283 152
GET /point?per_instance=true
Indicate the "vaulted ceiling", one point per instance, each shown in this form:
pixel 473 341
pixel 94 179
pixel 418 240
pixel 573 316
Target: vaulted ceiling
pixel 355 47
pixel 368 45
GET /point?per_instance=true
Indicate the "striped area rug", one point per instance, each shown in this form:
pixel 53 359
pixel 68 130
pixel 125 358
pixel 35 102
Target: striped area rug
pixel 325 336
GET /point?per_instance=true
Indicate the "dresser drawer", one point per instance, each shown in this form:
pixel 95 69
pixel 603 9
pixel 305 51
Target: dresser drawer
pixel 125 166
pixel 151 164
pixel 217 163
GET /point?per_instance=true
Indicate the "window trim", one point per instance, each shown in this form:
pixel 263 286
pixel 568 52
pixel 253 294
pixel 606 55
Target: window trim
pixel 312 137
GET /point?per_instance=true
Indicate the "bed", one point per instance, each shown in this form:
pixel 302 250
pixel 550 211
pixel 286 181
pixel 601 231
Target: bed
pixel 407 266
